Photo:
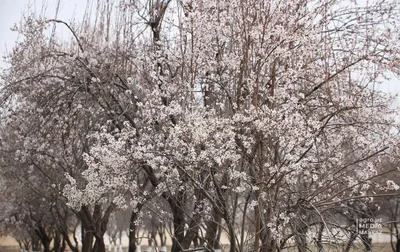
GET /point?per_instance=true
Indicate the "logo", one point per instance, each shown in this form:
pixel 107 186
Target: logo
pixel 369 225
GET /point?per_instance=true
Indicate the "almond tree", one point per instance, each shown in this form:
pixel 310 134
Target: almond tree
pixel 284 106
pixel 235 113
pixel 45 130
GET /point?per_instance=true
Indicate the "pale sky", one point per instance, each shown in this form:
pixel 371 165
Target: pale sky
pixel 11 12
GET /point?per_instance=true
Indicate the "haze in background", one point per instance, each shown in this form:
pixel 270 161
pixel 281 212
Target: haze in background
pixel 12 11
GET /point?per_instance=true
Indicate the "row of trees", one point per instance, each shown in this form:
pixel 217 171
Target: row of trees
pixel 256 119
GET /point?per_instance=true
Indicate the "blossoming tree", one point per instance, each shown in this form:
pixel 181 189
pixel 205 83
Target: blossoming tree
pixel 252 118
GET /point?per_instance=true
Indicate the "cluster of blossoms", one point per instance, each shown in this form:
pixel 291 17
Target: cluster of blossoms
pixel 223 111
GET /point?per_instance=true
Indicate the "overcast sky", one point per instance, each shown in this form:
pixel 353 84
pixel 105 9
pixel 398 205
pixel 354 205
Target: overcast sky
pixel 11 12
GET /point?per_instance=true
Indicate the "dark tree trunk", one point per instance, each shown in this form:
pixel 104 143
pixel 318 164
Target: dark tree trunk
pixel 63 230
pixel 63 245
pixel 87 239
pixel 232 238
pixel 196 242
pixel 367 242
pixel 176 204
pixel 99 245
pixel 397 233
pixel 57 242
pixel 212 234
pixel 35 243
pixel 162 234
pixel 179 225
pixel 350 242
pixel 94 225
pixel 46 246
pixel 44 238
pixel 132 232
pixel 194 224
pixel 319 238
pixel 268 242
pixel 73 248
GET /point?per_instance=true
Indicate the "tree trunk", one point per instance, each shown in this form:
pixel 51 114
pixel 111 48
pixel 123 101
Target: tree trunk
pixel 367 242
pixel 212 238
pixel 132 232
pixel 35 243
pixel 352 238
pixel 232 241
pixel 46 246
pixel 397 233
pixel 162 234
pixel 44 238
pixel 179 225
pixel 99 245
pixel 87 239
pixel 94 225
pixel 319 239
pixel 63 245
pixel 176 204
pixel 268 242
pixel 194 224
pixel 57 242
pixel 258 229
pixel 68 241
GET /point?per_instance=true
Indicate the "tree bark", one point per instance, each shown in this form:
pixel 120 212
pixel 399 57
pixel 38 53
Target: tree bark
pixel 99 245
pixel 352 238
pixel 45 239
pixel 367 242
pixel 194 224
pixel 87 239
pixel 212 237
pixel 179 224
pixel 132 230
